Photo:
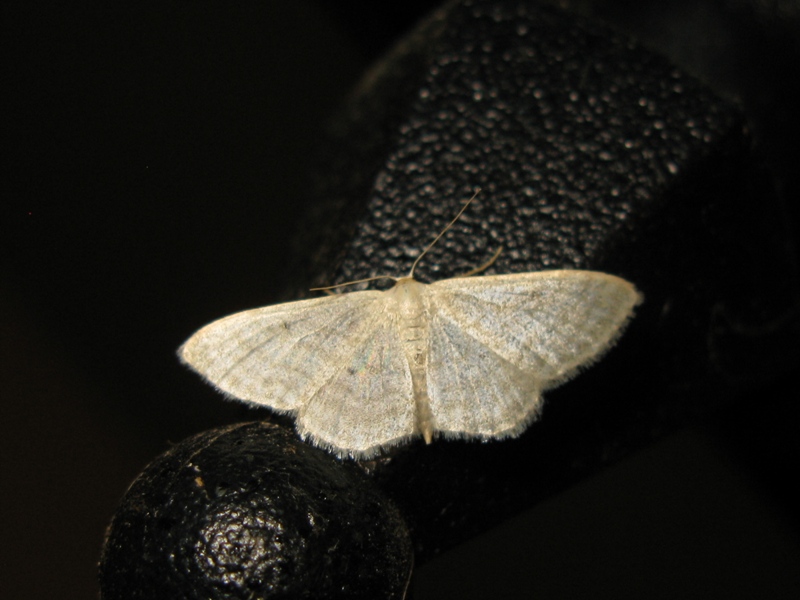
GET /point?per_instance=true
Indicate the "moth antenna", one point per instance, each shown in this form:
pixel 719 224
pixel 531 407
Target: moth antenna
pixel 338 285
pixel 438 237
pixel 484 266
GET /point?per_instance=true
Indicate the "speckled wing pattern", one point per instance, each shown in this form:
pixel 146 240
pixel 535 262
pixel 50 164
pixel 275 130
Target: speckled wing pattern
pixel 368 403
pixel 497 342
pixel 334 361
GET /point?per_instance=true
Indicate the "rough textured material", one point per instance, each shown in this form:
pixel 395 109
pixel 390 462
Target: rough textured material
pixel 251 512
pixel 574 134
pixel 592 153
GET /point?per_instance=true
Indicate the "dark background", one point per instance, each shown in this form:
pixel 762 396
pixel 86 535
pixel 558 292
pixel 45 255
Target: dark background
pixel 155 160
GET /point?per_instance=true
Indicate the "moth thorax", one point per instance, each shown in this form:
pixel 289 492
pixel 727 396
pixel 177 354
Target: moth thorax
pixel 411 319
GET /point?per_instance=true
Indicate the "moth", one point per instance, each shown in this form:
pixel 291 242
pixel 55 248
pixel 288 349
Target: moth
pixel 467 357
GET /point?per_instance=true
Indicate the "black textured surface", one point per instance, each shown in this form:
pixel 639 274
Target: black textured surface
pixel 157 163
pixel 568 128
pixel 248 511
pixel 594 153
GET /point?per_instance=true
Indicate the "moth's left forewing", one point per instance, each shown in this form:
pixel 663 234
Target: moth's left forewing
pixel 367 403
pixel 280 355
pixel 549 323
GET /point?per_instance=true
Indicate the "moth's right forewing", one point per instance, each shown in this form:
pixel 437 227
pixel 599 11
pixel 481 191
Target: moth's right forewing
pixel 473 390
pixel 280 355
pixel 548 323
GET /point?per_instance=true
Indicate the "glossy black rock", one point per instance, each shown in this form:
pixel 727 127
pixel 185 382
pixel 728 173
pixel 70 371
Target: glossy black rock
pixel 249 511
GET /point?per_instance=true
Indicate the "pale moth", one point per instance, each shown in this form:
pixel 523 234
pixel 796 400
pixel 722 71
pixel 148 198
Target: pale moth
pixel 467 357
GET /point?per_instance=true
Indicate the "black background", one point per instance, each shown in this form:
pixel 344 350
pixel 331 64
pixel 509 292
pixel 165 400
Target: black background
pixel 154 166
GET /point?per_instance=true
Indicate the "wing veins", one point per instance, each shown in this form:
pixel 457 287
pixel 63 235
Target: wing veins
pixel 490 419
pixel 289 347
pixel 346 364
pixel 525 345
